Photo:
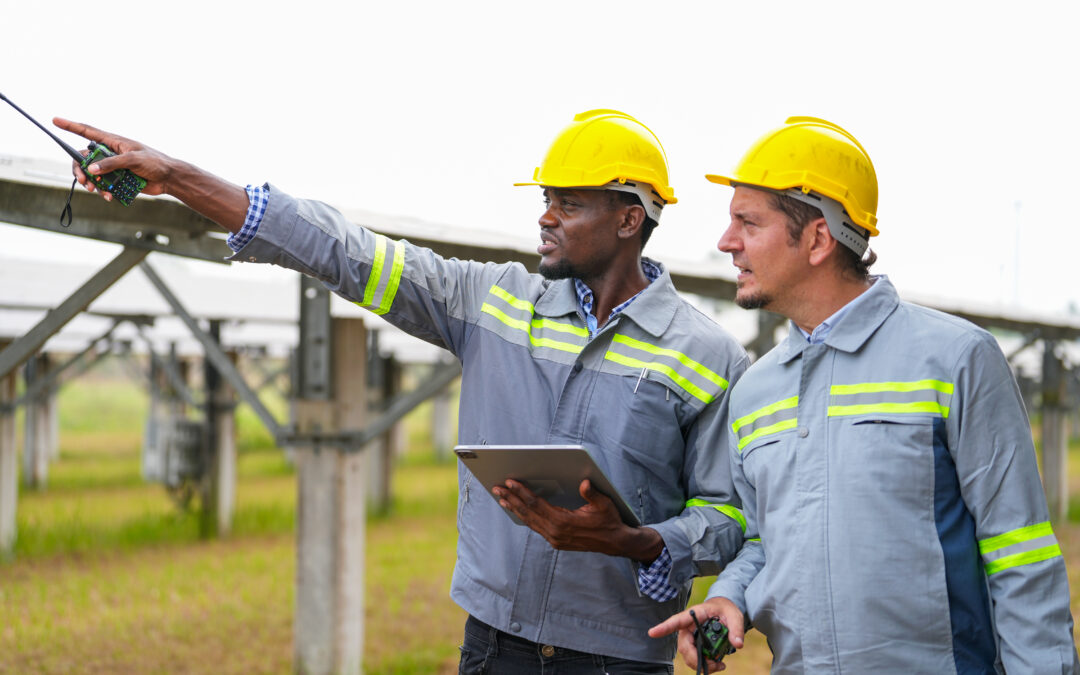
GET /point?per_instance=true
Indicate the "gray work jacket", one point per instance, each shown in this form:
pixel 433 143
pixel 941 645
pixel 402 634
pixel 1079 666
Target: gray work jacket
pixel 646 396
pixel 891 478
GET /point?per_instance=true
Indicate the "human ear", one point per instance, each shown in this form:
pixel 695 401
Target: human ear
pixel 819 241
pixel 632 220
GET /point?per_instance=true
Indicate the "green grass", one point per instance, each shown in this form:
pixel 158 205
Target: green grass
pixel 109 576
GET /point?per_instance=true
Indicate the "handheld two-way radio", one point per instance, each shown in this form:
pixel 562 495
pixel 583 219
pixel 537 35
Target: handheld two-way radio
pixel 711 640
pixel 123 184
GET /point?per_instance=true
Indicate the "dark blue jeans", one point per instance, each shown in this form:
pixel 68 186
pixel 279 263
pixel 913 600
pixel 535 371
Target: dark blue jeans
pixel 487 651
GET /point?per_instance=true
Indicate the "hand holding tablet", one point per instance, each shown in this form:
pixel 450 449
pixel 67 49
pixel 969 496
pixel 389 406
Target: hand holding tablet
pixel 553 472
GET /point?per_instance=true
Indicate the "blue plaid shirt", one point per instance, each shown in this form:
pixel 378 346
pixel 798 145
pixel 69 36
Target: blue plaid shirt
pixel 652 580
pixel 258 199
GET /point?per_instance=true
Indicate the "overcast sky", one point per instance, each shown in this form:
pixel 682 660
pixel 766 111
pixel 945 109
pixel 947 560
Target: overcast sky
pixel 426 109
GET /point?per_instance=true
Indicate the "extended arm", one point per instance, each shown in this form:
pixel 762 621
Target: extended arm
pixel 412 287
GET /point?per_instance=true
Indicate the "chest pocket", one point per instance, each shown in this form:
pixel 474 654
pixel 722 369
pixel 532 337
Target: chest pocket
pixel 890 454
pixel 646 410
pixel 768 459
pixel 885 433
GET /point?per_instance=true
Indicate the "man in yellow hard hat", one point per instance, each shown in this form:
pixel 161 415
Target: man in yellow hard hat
pixel 597 350
pixel 895 518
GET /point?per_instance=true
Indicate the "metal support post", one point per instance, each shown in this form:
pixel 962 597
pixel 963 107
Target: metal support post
pixel 381 452
pixel 315 380
pixel 35 454
pixel 180 395
pixel 9 466
pixel 219 480
pixel 329 622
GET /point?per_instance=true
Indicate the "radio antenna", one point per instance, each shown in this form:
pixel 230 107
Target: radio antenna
pixel 75 154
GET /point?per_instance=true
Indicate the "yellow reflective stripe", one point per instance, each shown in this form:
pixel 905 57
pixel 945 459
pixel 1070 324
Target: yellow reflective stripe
pixel 537 321
pixel 394 281
pixel 695 391
pixel 1017 536
pixel 541 322
pixel 376 270
pixel 494 311
pixel 757 539
pixel 792 402
pixel 509 299
pixel 726 509
pixel 765 431
pixel 526 327
pixel 911 407
pixel 877 387
pixel 1025 558
pixel 678 356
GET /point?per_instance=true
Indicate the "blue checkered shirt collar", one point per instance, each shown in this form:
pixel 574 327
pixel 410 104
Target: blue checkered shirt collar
pixel 585 296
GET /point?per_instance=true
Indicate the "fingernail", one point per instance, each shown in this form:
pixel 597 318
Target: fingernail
pixel 94 168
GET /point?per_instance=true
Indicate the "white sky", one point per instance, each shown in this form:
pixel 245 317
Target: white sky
pixel 432 109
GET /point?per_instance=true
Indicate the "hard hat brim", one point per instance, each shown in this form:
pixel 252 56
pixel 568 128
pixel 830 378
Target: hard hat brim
pixel 863 219
pixel 669 198
pixel 715 178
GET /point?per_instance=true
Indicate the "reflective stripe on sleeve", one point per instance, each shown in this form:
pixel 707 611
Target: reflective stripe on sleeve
pixel 383 280
pixel 726 509
pixel 1021 546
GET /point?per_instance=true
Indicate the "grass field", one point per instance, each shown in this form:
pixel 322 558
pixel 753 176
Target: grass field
pixel 110 577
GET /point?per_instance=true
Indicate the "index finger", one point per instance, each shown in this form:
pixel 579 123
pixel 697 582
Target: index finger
pixel 673 623
pixel 85 130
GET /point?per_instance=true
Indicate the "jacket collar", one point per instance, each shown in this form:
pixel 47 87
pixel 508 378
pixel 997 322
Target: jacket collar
pixel 865 315
pixel 653 309
pixel 558 299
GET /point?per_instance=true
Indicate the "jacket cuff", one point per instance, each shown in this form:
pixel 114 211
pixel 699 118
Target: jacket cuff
pixel 274 230
pixel 678 547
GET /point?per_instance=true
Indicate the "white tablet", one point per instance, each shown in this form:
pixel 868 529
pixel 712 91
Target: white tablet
pixel 553 472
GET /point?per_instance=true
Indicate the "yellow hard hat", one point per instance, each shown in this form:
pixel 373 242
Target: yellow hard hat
pixel 601 146
pixel 813 155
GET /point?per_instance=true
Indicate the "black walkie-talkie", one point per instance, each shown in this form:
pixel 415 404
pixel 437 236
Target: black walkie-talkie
pixel 123 184
pixel 712 641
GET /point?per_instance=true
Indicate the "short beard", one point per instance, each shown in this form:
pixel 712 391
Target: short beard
pixel 559 270
pixel 756 301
